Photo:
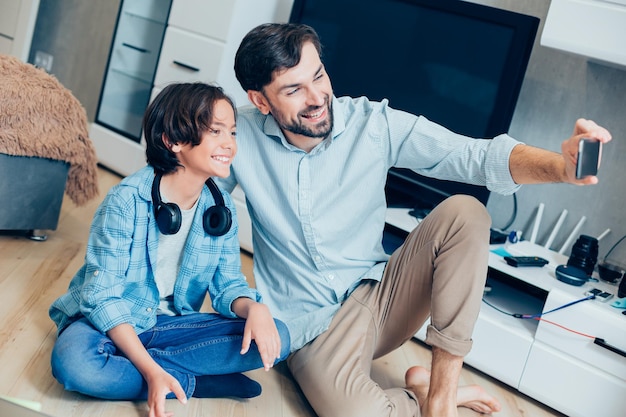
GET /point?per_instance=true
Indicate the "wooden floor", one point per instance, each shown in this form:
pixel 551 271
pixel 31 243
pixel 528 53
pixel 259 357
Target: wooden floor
pixel 33 274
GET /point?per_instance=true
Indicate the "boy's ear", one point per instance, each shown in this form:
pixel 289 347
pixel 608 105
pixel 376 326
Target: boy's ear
pixel 173 147
pixel 258 99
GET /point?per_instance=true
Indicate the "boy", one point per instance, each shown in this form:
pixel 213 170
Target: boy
pixel 129 326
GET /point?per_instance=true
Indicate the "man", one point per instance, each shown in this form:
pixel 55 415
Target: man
pixel 313 168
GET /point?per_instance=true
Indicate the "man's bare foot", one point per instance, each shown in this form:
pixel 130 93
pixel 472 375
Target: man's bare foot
pixel 417 379
pixel 474 397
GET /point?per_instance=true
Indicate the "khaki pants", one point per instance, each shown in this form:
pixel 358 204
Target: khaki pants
pixel 440 271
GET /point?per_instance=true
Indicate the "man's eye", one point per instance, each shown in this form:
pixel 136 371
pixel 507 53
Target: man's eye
pixel 292 92
pixel 233 134
pixel 214 132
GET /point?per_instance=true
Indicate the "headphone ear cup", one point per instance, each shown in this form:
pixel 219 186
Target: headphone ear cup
pixel 169 218
pixel 217 220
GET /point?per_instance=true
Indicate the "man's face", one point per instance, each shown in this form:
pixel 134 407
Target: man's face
pixel 300 98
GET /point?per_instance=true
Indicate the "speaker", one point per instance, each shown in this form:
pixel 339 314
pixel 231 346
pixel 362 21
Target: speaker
pixel 216 220
pixel 571 275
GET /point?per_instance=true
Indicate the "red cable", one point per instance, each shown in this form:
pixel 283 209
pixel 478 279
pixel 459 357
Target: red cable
pixel 564 328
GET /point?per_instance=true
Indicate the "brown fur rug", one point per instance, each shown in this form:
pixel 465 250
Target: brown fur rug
pixel 41 118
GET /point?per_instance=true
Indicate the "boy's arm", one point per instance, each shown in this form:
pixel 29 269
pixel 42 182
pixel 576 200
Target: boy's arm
pixel 259 326
pixel 160 383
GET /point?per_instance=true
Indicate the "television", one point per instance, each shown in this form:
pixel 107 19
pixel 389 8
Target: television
pixel 459 64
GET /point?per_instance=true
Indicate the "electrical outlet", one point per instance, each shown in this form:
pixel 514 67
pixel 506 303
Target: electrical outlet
pixel 44 60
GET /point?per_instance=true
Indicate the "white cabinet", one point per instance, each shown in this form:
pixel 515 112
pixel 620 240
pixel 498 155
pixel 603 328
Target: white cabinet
pixel 562 369
pixel 17 23
pixel 570 372
pixel 157 42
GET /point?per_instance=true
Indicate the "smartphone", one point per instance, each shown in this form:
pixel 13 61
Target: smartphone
pixel 588 157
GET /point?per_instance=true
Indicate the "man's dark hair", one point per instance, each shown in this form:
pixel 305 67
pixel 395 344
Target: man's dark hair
pixel 181 112
pixel 268 48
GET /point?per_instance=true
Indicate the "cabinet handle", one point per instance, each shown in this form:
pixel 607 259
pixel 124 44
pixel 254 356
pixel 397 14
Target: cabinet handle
pixel 189 67
pixel 136 48
pixel 600 342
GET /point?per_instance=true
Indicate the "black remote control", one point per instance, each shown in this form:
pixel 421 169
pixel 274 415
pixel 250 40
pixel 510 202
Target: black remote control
pixel 519 261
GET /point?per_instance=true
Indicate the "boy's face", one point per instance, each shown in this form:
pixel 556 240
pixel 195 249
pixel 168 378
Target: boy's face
pixel 299 98
pixel 213 156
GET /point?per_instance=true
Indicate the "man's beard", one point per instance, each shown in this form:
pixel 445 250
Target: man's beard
pixel 321 130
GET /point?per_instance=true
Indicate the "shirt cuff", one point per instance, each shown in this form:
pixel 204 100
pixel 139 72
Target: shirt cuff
pixel 497 171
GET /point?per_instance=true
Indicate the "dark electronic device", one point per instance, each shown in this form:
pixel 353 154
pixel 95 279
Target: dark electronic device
pixel 593 291
pixel 588 157
pixel 604 296
pixel 458 63
pixel 571 275
pixel 519 261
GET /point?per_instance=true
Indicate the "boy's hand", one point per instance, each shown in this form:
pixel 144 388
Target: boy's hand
pixel 159 385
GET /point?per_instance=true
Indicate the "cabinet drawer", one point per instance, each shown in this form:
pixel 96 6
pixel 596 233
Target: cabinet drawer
pixel 136 47
pixel 156 10
pixel 570 386
pixel 187 57
pixel 207 17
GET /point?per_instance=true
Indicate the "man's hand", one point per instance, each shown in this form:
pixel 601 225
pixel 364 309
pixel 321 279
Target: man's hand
pixel 531 165
pixel 569 149
pixel 259 327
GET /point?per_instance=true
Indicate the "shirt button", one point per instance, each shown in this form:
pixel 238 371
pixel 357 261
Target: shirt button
pixel 317 258
pixel 149 309
pixel 331 277
pixel 95 273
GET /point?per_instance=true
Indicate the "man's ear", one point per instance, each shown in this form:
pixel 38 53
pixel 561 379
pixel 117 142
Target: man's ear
pixel 258 99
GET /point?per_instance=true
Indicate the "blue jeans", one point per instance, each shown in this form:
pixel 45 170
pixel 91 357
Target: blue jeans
pixel 87 361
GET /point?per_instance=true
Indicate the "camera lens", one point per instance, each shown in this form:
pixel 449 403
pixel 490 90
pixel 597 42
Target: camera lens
pixel 584 254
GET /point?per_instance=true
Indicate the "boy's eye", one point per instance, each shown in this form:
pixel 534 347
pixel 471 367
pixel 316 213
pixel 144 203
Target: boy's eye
pixel 233 134
pixel 214 132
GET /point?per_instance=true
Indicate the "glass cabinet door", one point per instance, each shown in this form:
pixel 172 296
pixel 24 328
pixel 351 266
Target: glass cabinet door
pixel 132 64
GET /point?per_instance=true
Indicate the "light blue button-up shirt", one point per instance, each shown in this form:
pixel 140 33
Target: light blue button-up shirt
pixel 116 284
pixel 318 217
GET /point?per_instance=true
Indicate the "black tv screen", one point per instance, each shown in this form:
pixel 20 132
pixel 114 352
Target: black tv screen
pixel 457 63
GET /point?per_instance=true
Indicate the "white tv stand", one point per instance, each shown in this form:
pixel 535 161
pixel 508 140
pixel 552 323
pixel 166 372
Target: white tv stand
pixel 563 370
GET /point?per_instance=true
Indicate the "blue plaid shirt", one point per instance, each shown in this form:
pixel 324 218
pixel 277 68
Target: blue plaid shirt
pixel 116 284
pixel 318 217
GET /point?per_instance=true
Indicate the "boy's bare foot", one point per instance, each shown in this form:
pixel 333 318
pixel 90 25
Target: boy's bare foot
pixel 474 397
